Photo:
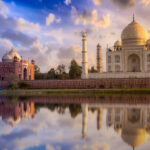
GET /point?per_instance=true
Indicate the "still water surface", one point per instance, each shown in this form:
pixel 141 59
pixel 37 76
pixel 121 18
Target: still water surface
pixel 74 123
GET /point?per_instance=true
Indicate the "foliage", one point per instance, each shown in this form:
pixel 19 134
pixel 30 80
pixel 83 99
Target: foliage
pixel 60 72
pixel 51 74
pixel 24 84
pixel 13 85
pixel 75 70
pixel 36 69
pixel 61 69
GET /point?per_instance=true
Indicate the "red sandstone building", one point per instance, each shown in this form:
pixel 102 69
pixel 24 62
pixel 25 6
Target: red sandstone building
pixel 12 63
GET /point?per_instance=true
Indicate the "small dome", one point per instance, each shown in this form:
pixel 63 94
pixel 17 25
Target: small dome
pixel 148 42
pixel 6 58
pixel 9 57
pixel 84 35
pixel 134 33
pixel 13 53
pixel 118 44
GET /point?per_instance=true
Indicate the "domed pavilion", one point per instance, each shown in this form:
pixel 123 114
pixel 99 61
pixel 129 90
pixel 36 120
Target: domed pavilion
pixel 12 63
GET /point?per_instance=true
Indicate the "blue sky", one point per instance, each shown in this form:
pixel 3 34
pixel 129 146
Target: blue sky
pixel 49 31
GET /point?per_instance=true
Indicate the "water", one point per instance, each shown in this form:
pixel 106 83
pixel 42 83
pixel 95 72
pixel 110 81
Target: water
pixel 74 123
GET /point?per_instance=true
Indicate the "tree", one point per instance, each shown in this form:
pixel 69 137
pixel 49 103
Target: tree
pixel 74 70
pixel 51 74
pixel 61 69
pixel 36 69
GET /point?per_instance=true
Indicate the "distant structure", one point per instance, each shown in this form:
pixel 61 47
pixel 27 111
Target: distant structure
pixel 99 59
pixel 128 58
pixel 12 63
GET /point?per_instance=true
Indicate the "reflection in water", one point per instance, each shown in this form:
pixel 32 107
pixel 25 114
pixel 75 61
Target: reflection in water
pixel 130 122
pixel 12 113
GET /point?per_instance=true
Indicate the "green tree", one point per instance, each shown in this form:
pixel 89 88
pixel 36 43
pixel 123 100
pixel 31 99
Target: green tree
pixel 61 69
pixel 51 74
pixel 74 70
pixel 36 69
pixel 61 72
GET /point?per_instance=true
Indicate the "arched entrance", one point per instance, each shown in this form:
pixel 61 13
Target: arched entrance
pixel 25 73
pixel 134 63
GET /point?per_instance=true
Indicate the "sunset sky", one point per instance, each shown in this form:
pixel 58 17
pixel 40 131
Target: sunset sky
pixel 49 31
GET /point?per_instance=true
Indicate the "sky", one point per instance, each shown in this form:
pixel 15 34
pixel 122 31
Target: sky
pixel 49 31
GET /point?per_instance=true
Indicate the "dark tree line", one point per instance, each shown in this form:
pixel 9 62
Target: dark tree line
pixel 60 72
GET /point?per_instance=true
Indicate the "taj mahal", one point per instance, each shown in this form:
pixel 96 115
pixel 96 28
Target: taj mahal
pixel 129 58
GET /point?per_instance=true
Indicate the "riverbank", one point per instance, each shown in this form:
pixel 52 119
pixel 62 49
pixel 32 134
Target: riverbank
pixel 57 92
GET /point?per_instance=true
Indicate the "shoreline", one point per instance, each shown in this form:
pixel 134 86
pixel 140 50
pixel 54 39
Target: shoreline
pixel 134 91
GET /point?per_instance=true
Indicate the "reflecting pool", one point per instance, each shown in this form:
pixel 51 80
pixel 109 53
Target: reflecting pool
pixel 74 123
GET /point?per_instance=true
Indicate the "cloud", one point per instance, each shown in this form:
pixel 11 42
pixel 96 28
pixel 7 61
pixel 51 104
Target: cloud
pixel 5 45
pixel 67 54
pixel 97 2
pixel 50 19
pixel 18 36
pixel 125 3
pixel 145 2
pixel 58 20
pixel 3 8
pixel 90 18
pixel 23 25
pixel 18 24
pixel 57 34
pixel 67 2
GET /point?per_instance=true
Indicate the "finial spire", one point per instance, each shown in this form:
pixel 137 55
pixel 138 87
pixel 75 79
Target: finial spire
pixel 133 17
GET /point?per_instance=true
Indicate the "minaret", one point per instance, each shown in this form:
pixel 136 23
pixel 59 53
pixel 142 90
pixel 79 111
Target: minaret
pixel 99 60
pixel 99 118
pixel 84 119
pixel 84 57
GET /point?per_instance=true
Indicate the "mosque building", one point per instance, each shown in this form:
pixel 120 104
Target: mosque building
pixel 129 58
pixel 12 63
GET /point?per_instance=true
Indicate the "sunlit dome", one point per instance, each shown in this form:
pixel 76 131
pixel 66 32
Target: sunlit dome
pixel 117 44
pixel 134 137
pixel 9 57
pixel 134 33
pixel 148 42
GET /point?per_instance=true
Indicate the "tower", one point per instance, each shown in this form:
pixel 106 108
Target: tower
pixel 99 62
pixel 84 57
pixel 84 119
pixel 99 118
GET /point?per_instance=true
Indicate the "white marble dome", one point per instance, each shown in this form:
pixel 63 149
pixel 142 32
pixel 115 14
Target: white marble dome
pixel 134 33
pixel 9 57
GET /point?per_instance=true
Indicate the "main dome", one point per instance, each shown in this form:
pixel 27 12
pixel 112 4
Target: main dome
pixel 134 33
